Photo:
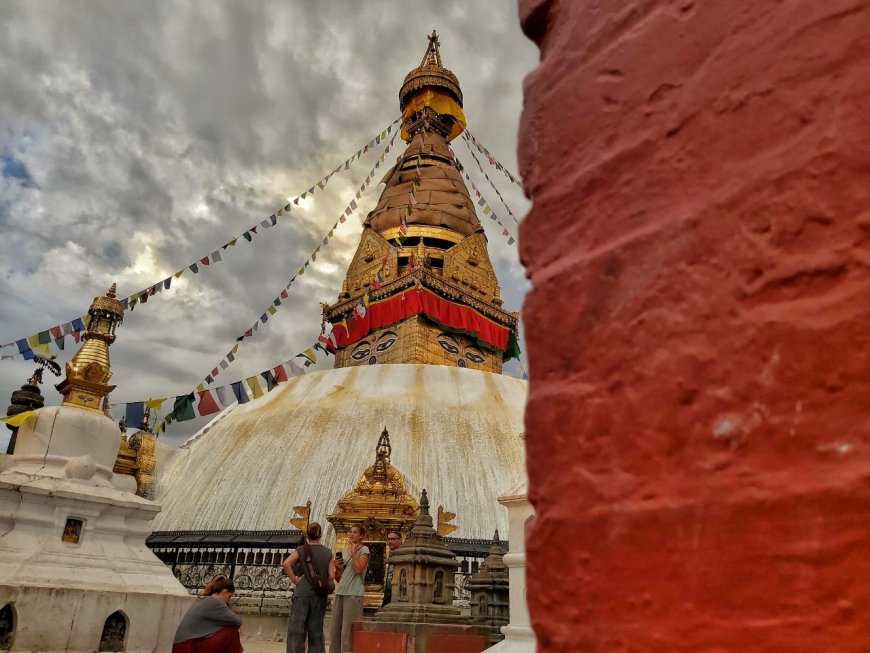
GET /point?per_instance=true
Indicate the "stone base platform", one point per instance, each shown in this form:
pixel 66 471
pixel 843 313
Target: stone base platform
pixel 398 637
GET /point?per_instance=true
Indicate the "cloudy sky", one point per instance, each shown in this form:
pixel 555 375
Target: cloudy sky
pixel 137 137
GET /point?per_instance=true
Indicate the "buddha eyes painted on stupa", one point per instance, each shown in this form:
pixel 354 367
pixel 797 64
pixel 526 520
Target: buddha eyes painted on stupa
pixel 448 343
pixel 363 349
pixel 366 349
pixel 452 346
pixel 386 340
pixel 475 355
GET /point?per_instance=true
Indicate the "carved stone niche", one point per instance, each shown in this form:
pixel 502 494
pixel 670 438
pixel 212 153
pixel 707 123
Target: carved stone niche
pixel 423 576
pixel 421 616
pixel 490 596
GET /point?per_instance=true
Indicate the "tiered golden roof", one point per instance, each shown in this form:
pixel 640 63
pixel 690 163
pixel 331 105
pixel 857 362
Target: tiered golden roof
pixel 88 372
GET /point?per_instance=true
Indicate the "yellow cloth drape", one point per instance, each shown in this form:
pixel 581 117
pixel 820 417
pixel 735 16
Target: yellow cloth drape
pixel 19 419
pixel 440 103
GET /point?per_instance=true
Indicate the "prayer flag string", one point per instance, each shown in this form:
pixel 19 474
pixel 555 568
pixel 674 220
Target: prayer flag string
pixel 272 307
pixel 483 172
pixel 492 160
pixel 486 209
pixel 40 341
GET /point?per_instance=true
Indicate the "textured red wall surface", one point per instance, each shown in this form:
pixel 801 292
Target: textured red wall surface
pixel 698 425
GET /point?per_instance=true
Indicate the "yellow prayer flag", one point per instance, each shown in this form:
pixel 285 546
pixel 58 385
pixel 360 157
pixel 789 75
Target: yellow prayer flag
pixel 19 419
pixel 232 243
pixel 45 349
pixel 235 348
pixel 256 390
pixel 200 387
pixel 310 355
pixel 33 341
pixel 155 403
pixel 272 310
pixel 178 274
pixel 279 212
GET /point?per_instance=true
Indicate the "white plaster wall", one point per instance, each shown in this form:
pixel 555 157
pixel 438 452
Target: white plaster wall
pixel 455 432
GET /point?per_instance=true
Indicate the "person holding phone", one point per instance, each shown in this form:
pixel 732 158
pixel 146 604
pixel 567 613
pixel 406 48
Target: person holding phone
pixel 350 572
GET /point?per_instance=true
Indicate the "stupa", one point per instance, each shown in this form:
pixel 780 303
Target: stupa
pixel 420 335
pixel 75 574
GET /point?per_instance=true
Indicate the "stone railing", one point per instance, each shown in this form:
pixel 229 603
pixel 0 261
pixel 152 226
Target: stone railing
pixel 252 559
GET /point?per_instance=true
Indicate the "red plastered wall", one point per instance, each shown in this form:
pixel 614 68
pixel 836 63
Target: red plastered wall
pixel 698 424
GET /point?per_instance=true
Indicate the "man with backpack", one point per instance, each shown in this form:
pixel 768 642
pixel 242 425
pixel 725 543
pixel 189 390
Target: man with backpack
pixel 311 568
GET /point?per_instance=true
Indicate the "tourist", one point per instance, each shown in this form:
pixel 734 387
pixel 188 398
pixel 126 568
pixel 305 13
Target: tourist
pixel 308 608
pixel 210 626
pixel 394 541
pixel 348 607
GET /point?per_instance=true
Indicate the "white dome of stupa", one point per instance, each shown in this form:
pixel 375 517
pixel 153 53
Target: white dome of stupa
pixel 455 432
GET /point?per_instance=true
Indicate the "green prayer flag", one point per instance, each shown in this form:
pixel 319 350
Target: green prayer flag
pixel 44 337
pixel 59 342
pixel 247 236
pixel 183 408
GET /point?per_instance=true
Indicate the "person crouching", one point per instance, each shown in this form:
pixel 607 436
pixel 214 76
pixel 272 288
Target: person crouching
pixel 209 626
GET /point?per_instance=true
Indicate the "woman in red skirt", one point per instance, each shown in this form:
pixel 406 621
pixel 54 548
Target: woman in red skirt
pixel 210 626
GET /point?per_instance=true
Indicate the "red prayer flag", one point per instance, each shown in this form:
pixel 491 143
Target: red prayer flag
pixel 215 372
pixel 207 404
pixel 55 332
pixel 283 294
pixel 280 374
pixel 204 261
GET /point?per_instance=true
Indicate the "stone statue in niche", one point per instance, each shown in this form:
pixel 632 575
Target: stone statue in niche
pixel 114 633
pixel 403 585
pixel 72 531
pixel 438 593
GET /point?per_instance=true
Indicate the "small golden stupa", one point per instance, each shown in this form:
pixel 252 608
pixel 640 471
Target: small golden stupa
pixel 88 372
pixel 378 501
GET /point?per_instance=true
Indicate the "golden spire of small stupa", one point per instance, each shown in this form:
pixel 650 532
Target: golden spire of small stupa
pixel 89 371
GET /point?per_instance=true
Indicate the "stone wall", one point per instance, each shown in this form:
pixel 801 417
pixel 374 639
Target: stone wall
pixel 698 431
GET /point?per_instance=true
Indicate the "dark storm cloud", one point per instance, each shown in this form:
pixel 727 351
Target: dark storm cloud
pixel 137 137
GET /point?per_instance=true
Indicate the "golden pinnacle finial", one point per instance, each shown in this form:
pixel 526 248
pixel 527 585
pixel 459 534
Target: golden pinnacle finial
pixel 431 74
pixel 88 373
pixel 433 52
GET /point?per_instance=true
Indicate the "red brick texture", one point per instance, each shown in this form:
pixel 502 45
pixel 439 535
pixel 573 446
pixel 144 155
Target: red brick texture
pixel 698 424
pixel 366 642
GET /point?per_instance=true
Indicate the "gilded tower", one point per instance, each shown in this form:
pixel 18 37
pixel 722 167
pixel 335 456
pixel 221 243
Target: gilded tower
pixel 421 287
pixel 88 372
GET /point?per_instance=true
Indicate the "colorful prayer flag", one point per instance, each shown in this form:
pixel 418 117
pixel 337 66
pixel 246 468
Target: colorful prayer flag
pixel 279 374
pixel 240 392
pixel 207 404
pixel 254 385
pixel 183 411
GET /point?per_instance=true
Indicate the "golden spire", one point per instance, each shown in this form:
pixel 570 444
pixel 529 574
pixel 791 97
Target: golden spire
pixel 89 371
pixel 430 97
pixel 423 236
